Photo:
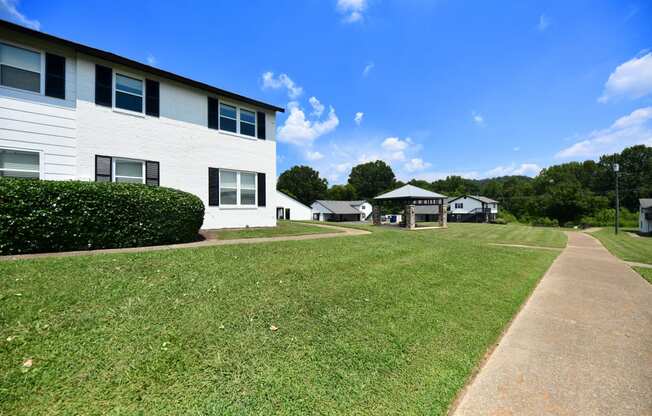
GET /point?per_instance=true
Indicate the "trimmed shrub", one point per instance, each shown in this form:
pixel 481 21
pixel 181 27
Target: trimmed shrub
pixel 607 217
pixel 45 216
pixel 544 222
pixel 506 216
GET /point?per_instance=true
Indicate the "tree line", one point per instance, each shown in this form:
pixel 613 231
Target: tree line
pixel 565 194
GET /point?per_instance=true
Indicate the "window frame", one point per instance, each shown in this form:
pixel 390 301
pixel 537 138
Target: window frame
pixel 238 189
pixel 41 68
pixel 40 161
pixel 114 161
pixel 238 120
pixel 114 90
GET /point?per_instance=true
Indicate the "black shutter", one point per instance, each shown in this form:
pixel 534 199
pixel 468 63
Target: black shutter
pixel 152 95
pixel 55 76
pixel 103 168
pixel 262 191
pixel 213 113
pixel 103 87
pixel 260 120
pixel 213 187
pixel 152 173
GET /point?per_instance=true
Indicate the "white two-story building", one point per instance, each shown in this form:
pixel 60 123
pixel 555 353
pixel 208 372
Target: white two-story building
pixel 472 208
pixel 69 111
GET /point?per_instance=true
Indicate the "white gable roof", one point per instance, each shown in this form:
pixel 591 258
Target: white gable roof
pixel 410 191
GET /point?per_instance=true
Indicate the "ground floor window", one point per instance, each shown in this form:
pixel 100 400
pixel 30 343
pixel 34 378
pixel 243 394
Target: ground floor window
pixel 129 171
pixel 237 188
pixel 20 164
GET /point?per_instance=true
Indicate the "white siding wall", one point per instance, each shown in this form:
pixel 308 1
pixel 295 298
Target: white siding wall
pixel 298 211
pixel 469 205
pixel 32 121
pixel 644 224
pixel 179 140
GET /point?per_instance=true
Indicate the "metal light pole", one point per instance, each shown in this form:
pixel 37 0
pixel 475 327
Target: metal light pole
pixel 616 170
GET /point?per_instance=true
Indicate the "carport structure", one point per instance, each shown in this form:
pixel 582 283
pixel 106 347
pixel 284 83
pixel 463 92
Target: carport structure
pixel 410 197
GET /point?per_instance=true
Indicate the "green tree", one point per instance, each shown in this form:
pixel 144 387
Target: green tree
pixel 371 179
pixel 303 183
pixel 342 193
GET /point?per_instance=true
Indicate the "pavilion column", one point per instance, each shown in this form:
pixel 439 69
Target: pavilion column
pixel 443 214
pixel 410 223
pixel 375 214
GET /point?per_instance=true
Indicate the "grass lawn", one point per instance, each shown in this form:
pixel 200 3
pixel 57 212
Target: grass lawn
pixel 626 247
pixel 282 228
pixel 387 323
pixel 646 273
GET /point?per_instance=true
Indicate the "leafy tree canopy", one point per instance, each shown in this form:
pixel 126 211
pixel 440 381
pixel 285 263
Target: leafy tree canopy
pixel 303 183
pixel 372 178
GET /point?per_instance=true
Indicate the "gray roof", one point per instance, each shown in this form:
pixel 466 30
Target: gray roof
pixel 410 191
pixel 339 207
pixel 479 198
pixel 645 202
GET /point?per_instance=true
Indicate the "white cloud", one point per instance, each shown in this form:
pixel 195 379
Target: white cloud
pixel 629 130
pixel 544 22
pixel 394 144
pixel 9 10
pixel 477 118
pixel 632 79
pixel 516 149
pixel 314 155
pixel 151 59
pixel 342 167
pixel 299 130
pixel 317 107
pixel 282 81
pixel 352 10
pixel 367 69
pixel 528 169
pixel 416 164
pixel 358 117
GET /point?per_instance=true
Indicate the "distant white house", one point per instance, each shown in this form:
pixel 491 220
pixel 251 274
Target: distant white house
pixel 288 208
pixel 645 215
pixel 472 208
pixel 325 210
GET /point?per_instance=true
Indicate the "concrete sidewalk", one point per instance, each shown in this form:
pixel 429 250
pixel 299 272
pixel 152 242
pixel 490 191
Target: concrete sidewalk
pixel 581 345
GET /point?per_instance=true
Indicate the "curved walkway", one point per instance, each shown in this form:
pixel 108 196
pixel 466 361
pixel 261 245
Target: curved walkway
pixel 581 345
pixel 340 232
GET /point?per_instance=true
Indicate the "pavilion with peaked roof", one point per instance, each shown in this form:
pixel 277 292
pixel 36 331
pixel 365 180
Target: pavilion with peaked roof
pixel 411 196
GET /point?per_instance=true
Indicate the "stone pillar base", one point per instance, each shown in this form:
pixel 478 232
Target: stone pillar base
pixel 375 214
pixel 443 215
pixel 410 222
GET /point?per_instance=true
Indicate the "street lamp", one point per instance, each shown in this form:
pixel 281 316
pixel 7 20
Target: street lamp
pixel 616 171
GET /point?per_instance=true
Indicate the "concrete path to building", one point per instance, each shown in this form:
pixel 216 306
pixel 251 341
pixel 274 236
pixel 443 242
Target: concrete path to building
pixel 337 232
pixel 581 345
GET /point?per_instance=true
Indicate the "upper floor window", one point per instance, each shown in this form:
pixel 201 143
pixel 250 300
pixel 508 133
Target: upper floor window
pixel 20 68
pixel 128 93
pixel 19 164
pixel 237 120
pixel 459 205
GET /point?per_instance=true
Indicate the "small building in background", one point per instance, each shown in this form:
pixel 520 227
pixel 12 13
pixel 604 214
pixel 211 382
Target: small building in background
pixel 645 215
pixel 472 208
pixel 328 210
pixel 288 208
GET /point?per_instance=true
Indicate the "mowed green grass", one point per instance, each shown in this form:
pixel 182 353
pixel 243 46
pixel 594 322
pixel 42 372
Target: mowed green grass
pixel 283 228
pixel 645 272
pixel 387 323
pixel 626 247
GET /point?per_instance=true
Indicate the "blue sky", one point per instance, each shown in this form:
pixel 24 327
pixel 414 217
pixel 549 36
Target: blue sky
pixel 443 87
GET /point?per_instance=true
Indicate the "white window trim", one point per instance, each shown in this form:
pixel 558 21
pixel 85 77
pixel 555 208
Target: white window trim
pixel 237 119
pixel 238 189
pixel 41 164
pixel 123 159
pixel 114 90
pixel 41 69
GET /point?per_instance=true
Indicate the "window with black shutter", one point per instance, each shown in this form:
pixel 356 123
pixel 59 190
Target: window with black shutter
pixel 213 187
pixel 103 168
pixel 152 173
pixel 152 94
pixel 261 125
pixel 261 190
pixel 213 113
pixel 55 76
pixel 103 88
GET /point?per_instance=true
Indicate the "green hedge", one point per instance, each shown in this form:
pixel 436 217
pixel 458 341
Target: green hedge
pixel 45 216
